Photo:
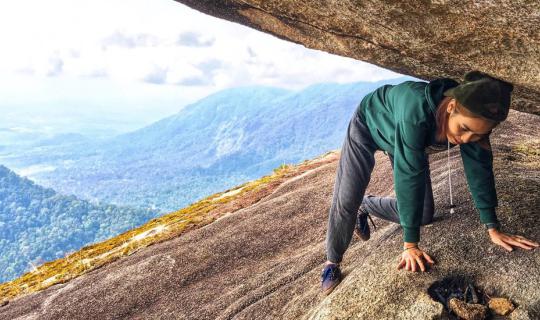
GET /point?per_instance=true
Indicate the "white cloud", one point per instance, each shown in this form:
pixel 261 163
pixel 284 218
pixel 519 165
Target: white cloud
pixel 153 54
pixel 123 39
pixel 194 39
pixel 55 66
pixel 21 130
pixel 102 38
pixel 156 76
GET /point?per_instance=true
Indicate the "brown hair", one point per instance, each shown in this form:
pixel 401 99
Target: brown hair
pixel 441 119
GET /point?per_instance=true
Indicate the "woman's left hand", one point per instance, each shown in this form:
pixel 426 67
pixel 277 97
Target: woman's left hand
pixel 506 240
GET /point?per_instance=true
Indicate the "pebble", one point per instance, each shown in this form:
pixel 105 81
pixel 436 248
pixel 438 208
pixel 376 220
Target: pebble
pixel 501 306
pixel 467 311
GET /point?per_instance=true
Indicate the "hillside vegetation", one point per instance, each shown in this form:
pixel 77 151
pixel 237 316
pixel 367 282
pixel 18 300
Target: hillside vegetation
pixel 156 230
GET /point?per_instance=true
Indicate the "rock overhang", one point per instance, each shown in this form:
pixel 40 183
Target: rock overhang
pixel 424 39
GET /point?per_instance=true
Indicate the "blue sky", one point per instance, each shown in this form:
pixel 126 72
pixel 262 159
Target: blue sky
pixel 67 64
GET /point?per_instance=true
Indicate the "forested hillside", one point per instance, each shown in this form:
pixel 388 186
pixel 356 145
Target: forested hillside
pixel 37 224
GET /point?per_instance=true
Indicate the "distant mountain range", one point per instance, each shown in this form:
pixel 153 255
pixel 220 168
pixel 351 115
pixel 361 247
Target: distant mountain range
pixel 223 140
pixel 37 224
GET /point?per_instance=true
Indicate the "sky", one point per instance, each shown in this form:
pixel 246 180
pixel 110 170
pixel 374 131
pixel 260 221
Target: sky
pixel 69 65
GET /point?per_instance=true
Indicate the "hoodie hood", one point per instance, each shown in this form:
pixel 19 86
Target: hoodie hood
pixel 435 89
pixel 434 92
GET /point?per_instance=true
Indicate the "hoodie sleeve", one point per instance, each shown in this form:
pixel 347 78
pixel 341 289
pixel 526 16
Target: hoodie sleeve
pixel 478 165
pixel 410 168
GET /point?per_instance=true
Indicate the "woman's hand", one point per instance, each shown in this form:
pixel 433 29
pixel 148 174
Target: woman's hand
pixel 414 256
pixel 508 240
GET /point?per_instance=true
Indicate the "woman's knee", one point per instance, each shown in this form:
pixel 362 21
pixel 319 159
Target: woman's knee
pixel 347 206
pixel 427 217
pixel 426 221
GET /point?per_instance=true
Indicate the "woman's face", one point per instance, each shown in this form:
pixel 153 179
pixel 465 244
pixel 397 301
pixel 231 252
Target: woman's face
pixel 463 129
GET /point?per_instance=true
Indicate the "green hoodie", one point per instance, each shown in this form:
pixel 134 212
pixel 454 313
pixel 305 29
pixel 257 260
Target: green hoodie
pixel 401 119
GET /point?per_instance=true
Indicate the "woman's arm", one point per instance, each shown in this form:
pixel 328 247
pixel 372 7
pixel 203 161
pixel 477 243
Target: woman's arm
pixel 410 168
pixel 478 165
pixel 411 130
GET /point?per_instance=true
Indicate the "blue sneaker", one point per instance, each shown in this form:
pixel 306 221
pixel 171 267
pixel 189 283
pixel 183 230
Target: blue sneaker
pixel 361 229
pixel 330 277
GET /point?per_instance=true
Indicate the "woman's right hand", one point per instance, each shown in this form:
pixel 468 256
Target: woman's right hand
pixel 412 257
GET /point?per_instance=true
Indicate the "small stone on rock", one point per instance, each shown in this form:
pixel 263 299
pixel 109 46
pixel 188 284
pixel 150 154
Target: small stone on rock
pixel 467 311
pixel 501 306
pixel 4 303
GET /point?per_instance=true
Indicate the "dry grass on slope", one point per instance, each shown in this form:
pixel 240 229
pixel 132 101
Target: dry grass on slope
pixel 156 230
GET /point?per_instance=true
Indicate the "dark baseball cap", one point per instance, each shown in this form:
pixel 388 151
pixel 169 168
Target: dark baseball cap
pixel 483 95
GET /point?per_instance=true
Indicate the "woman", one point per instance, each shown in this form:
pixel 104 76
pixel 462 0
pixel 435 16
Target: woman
pixel 408 121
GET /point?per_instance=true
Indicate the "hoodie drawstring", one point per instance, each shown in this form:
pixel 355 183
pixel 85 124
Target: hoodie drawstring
pixel 450 179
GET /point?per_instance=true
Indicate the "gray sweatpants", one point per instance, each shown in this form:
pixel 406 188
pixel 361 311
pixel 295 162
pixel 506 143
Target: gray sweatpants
pixel 352 178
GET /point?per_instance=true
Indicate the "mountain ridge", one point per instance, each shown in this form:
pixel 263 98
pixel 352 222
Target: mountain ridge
pixel 225 139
